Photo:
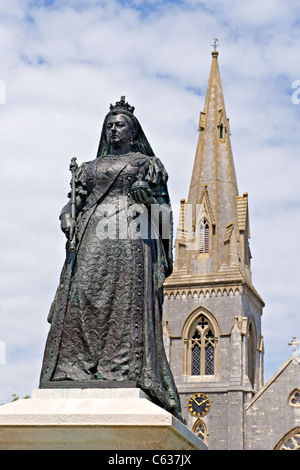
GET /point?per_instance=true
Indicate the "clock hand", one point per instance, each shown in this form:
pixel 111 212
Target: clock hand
pixel 194 399
pixel 203 401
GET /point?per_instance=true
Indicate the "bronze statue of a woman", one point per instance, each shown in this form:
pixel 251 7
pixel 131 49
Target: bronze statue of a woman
pixel 106 318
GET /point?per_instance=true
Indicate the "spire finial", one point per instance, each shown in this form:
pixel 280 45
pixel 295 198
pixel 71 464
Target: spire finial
pixel 215 45
pixel 295 345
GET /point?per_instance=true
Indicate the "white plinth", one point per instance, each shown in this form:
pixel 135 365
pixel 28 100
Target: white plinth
pixel 112 419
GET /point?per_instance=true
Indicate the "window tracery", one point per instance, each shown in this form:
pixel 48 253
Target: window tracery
pixel 199 428
pixel 200 334
pixel 290 441
pixel 202 348
pixel 294 399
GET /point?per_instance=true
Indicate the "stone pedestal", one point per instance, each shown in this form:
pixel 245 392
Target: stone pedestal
pixel 86 419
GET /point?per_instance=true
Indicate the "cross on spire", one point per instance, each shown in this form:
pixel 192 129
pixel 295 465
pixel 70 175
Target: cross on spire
pixel 215 44
pixel 295 344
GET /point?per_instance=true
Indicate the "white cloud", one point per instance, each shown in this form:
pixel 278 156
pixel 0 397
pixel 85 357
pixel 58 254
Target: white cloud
pixel 63 62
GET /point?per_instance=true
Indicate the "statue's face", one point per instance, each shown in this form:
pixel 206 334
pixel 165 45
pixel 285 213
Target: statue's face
pixel 118 131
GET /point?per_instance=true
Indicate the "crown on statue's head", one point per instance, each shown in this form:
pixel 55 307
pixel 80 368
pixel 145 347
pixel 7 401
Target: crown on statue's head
pixel 123 105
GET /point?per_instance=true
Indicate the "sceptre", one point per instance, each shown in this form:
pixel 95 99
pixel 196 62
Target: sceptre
pixel 73 168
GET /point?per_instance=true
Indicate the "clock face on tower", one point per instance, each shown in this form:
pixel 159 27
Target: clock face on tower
pixel 199 405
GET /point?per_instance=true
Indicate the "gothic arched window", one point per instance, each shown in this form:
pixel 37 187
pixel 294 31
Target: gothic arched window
pixel 204 236
pixel 291 441
pixel 200 334
pixel 202 347
pixel 252 353
pixel 199 428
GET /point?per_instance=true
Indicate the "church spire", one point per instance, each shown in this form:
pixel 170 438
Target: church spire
pixel 214 161
pixel 217 216
pixel 212 312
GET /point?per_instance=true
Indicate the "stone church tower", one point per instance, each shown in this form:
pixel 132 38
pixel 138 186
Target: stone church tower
pixel 212 312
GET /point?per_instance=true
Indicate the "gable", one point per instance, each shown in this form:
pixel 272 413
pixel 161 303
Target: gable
pixel 274 412
pixel 288 374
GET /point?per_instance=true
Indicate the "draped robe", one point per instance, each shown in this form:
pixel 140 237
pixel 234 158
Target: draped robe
pixel 106 318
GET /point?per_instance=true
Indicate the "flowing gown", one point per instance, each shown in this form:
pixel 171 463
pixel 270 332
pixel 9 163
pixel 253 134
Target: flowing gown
pixel 106 318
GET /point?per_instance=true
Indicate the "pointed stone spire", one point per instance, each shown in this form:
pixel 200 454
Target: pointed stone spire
pixel 211 280
pixel 214 164
pixel 215 214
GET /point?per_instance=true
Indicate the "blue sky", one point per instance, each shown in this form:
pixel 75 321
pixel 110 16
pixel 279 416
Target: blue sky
pixel 63 62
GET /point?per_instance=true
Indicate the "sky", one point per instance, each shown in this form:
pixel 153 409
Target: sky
pixel 64 61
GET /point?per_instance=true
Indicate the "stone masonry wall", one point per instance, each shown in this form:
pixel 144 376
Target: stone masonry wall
pixel 269 417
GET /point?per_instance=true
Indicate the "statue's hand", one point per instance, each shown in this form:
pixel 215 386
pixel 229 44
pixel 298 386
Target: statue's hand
pixel 142 193
pixel 67 224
